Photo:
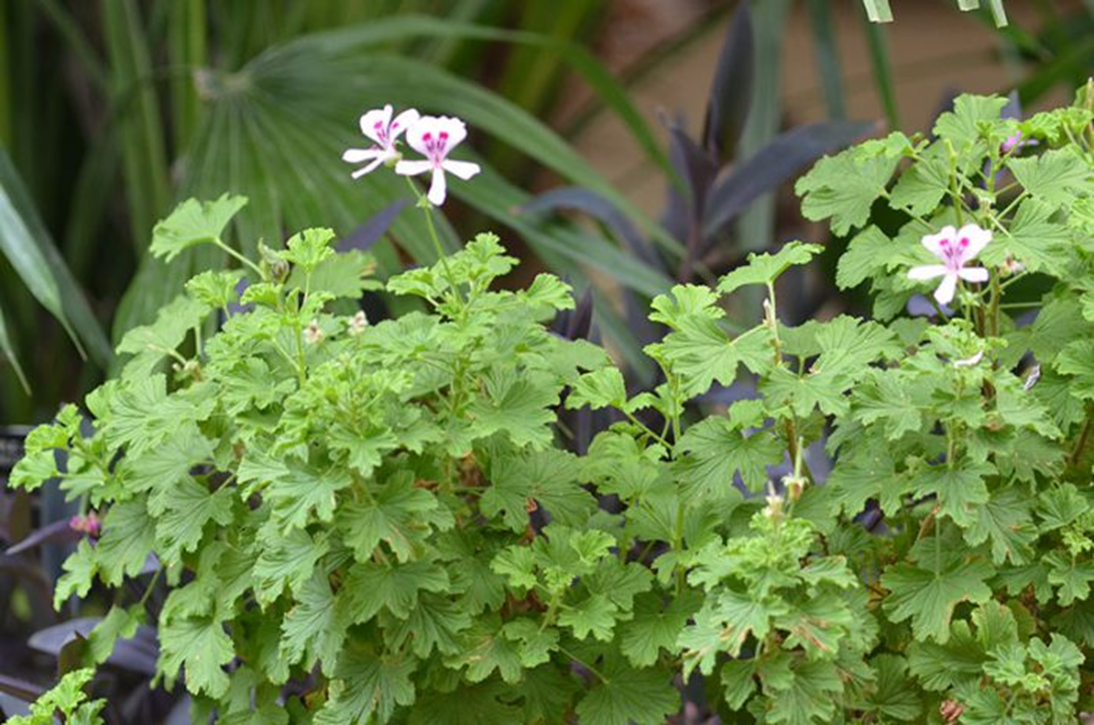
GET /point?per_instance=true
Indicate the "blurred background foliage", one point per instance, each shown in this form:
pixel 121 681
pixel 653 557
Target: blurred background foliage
pixel 111 111
pixel 627 144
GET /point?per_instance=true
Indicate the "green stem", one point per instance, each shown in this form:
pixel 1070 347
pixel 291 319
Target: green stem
pixel 584 664
pixel 151 586
pixel 233 253
pixel 427 209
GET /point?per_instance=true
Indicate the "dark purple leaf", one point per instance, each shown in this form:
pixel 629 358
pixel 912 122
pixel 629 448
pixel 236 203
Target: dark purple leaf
pixel 57 532
pixel 13 706
pixel 596 206
pixel 775 164
pixel 1013 109
pixel 731 91
pixel 137 654
pixel 576 324
pixel 372 231
pixel 20 690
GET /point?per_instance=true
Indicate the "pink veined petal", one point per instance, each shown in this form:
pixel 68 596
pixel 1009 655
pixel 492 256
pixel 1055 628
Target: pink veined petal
pixel 927 271
pixel 415 135
pixel 463 169
pixel 455 129
pixel 973 274
pixel 933 242
pixel 944 293
pixel 371 118
pixel 356 156
pixel 369 168
pixel 978 239
pixel 437 188
pixel 403 121
pixel 412 168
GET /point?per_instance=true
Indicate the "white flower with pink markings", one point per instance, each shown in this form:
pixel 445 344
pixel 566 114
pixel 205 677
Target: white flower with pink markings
pixel 434 137
pixel 956 248
pixel 378 126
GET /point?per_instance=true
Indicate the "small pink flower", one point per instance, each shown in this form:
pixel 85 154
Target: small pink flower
pixel 435 137
pixel 378 126
pixel 955 248
pixel 90 524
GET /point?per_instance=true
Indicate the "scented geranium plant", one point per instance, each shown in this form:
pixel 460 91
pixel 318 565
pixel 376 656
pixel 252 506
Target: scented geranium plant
pixel 383 523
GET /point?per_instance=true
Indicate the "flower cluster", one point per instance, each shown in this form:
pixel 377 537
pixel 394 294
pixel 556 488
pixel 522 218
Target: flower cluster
pixel 433 137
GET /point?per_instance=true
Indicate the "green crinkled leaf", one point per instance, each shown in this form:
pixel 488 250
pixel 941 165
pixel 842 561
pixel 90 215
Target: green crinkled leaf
pixel 929 598
pixel 194 222
pixel 127 540
pixel 466 705
pixel 891 696
pixel 655 628
pixel 312 630
pixel 716 450
pixel 182 512
pixel 700 352
pixel 765 268
pixel 961 489
pixel 629 697
pixel 594 615
pixel 366 686
pixel 150 344
pixel 309 248
pixel 962 125
pixel 1077 360
pixel 1005 520
pixel 143 416
pixel 304 495
pixel 869 254
pixel 398 514
pixel 843 187
pixel 810 698
pixel 920 189
pixel 1057 176
pixel 522 483
pixel 285 561
pixel 435 623
pixel 485 649
pixel 723 625
pixel 519 406
pixel 202 647
pixel 369 588
pixel 1035 239
pixel 119 623
pixel 216 289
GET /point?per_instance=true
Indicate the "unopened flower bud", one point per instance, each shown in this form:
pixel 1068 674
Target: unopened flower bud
pixel 1011 266
pixel 90 524
pixel 313 334
pixel 774 507
pixel 794 486
pixel 358 323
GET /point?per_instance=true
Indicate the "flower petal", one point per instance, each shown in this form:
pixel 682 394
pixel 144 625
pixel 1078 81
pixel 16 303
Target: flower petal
pixel 944 293
pixel 933 242
pixel 978 239
pixel 412 168
pixel 437 188
pixel 455 129
pixel 973 274
pixel 356 156
pixel 969 361
pixel 463 169
pixel 416 133
pixel 403 121
pixel 369 168
pixel 927 271
pixel 369 120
